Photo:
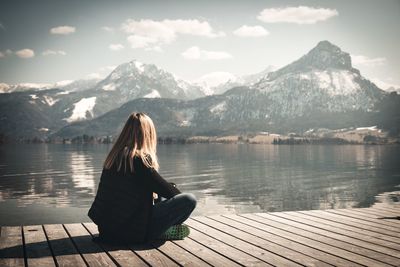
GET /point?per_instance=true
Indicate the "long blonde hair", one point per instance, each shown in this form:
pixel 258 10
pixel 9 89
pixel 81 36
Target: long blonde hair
pixel 137 138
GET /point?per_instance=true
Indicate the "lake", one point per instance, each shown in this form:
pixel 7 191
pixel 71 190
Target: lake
pixel 56 183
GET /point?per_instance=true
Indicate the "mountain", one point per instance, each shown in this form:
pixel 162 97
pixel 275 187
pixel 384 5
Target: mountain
pixel 62 103
pixel 78 85
pixel 321 89
pixel 322 80
pixel 135 79
pixel 219 82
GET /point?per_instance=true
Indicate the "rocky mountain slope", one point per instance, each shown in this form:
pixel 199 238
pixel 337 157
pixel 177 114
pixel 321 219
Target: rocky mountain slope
pixel 319 89
pixel 84 99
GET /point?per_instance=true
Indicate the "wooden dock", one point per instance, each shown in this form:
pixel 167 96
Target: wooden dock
pixel 340 237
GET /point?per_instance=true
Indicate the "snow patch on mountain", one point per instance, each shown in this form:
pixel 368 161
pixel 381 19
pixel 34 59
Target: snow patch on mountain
pixel 153 94
pixel 109 87
pixel 82 108
pixel 139 66
pixel 49 100
pixel 214 79
pixel 219 108
pixel 340 82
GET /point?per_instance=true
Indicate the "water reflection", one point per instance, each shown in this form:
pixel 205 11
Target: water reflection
pixel 225 178
pixel 82 172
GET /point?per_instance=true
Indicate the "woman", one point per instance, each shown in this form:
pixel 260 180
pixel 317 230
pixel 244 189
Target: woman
pixel 123 207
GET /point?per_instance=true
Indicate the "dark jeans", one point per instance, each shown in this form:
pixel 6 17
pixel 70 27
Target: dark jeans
pixel 170 212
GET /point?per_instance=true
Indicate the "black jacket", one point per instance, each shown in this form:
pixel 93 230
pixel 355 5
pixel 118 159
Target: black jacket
pixel 123 204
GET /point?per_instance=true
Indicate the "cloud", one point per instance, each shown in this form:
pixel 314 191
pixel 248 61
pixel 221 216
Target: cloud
pixel 107 29
pixel 299 15
pixel 2 26
pixel 116 47
pixel 25 53
pixel 49 52
pixel 154 48
pixel 64 30
pixel 195 53
pixel 251 31
pixel 2 54
pixel 360 60
pixel 145 33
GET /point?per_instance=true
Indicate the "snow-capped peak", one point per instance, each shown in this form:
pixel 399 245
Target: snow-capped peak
pixel 214 79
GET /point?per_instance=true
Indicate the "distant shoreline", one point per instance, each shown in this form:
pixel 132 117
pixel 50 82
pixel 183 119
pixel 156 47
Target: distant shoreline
pixel 274 139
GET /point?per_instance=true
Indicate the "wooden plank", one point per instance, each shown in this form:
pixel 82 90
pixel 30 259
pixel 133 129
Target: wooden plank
pixel 123 255
pixel 383 208
pixel 181 255
pixel 363 248
pixel 62 246
pixel 345 249
pixel 378 212
pixel 385 218
pixel 208 255
pixel 93 254
pixel 344 235
pixel 344 219
pixel 394 205
pixel 257 252
pixel 152 255
pixel 225 249
pixel 287 253
pixel 373 236
pixel 11 246
pixel 375 213
pixel 390 208
pixel 291 241
pixel 362 219
pixel 37 248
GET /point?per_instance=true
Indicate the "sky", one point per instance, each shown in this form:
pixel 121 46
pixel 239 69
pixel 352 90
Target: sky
pixel 47 41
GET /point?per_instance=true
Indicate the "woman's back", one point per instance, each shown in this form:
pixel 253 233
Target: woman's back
pixel 122 206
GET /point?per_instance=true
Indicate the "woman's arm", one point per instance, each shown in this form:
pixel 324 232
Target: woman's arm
pixel 156 183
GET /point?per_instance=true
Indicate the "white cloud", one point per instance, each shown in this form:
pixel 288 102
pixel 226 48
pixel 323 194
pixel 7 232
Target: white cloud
pixel 116 47
pixel 2 54
pixel 2 26
pixel 360 60
pixel 299 15
pixel 154 48
pixel 64 30
pixel 49 52
pixel 107 29
pixel 195 52
pixel 25 53
pixel 251 31
pixel 146 33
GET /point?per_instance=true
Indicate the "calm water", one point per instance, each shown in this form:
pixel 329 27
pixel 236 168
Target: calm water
pixel 57 183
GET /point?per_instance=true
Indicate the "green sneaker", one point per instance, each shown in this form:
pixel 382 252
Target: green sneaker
pixel 176 232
